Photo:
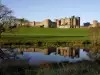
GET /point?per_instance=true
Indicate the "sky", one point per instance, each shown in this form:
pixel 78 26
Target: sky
pixel 39 10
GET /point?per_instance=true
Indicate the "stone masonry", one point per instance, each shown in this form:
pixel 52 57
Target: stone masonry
pixel 72 22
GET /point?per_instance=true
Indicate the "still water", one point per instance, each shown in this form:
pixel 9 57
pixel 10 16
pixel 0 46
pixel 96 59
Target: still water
pixel 35 58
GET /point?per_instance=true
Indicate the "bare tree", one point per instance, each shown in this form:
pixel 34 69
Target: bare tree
pixel 12 22
pixel 4 13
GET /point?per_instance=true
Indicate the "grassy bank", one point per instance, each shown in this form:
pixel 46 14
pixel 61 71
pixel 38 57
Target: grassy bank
pixel 47 34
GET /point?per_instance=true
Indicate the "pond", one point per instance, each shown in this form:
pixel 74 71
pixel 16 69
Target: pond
pixel 35 58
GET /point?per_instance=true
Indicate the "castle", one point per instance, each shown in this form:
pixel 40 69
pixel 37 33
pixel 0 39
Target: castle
pixel 72 22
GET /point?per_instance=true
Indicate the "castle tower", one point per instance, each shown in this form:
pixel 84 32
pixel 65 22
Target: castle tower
pixel 62 21
pixel 33 23
pixel 78 22
pixel 57 22
pixel 74 22
pixel 71 22
pixel 95 23
pixel 46 23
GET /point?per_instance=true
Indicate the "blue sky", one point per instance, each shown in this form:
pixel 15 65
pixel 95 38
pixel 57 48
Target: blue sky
pixel 38 10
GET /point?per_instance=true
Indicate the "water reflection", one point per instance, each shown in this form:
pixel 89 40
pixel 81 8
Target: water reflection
pixel 53 55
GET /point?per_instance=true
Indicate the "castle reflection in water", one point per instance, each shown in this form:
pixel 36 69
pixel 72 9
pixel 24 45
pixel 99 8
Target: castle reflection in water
pixel 63 51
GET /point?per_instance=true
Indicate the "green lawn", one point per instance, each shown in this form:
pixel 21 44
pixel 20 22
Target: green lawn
pixel 51 31
pixel 47 34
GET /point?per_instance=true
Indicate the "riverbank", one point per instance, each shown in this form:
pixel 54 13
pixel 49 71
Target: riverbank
pixel 84 67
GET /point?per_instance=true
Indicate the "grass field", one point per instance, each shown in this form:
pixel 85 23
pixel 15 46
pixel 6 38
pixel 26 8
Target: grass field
pixel 52 32
pixel 24 33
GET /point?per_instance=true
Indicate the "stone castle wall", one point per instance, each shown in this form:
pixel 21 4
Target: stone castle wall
pixel 46 23
pixel 72 22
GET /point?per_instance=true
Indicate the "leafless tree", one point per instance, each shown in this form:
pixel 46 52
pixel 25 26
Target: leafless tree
pixel 4 13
